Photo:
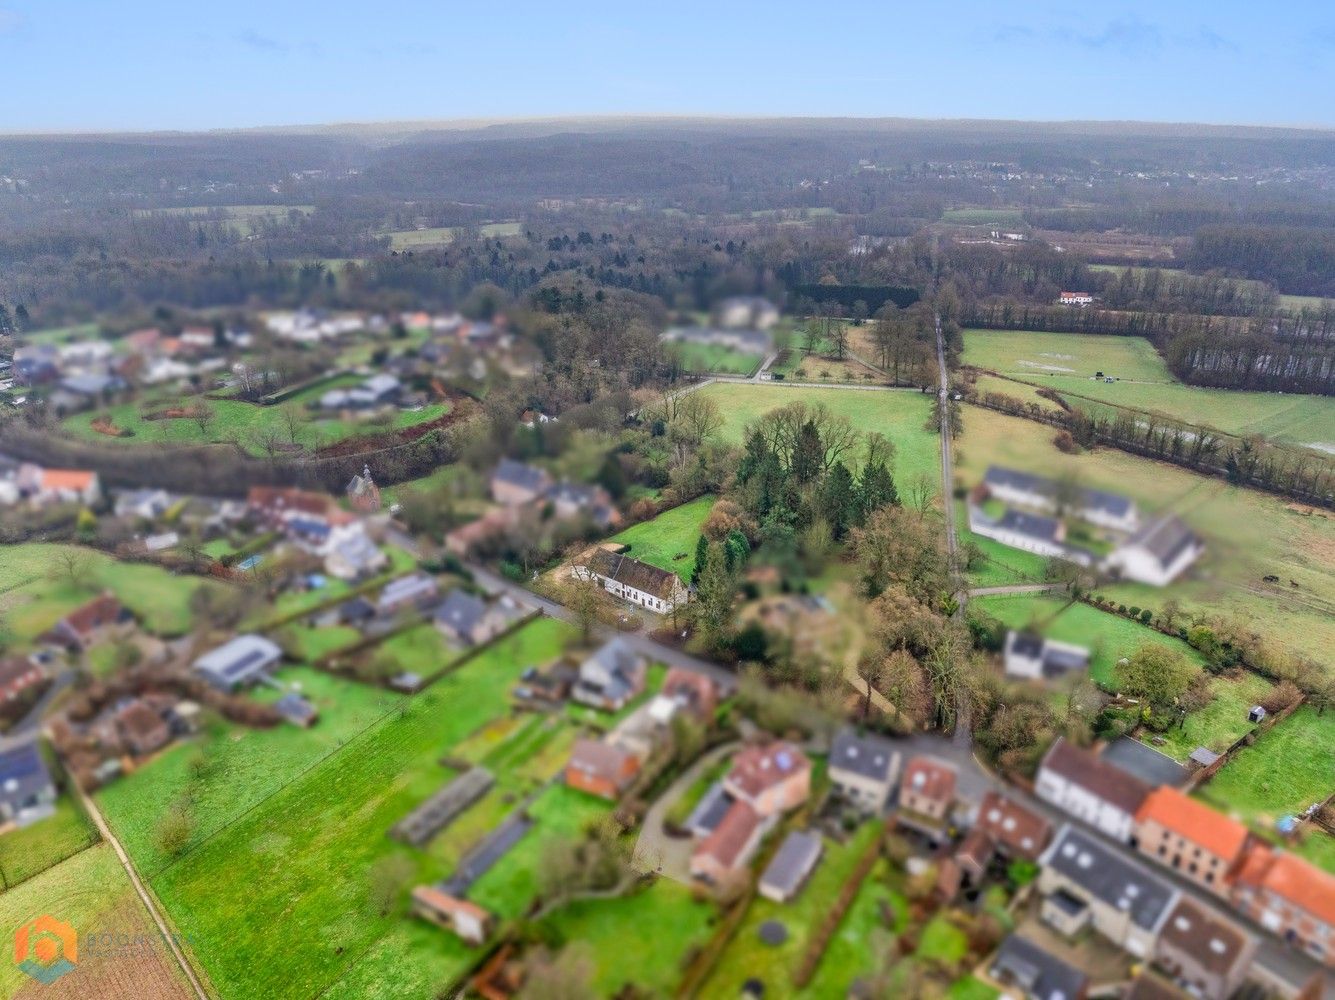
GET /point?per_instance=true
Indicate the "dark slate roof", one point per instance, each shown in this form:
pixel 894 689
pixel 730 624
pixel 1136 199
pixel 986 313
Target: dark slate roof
pixel 1112 503
pixel 1110 876
pixel 1144 762
pixel 461 611
pixel 295 708
pixel 793 862
pixel 1098 776
pixel 1164 538
pixel 869 756
pixel 1027 644
pixel 1042 975
pixel 710 810
pixel 23 775
pixel 1058 661
pixel 528 477
pixel 1032 525
pixel 443 807
pixel 633 573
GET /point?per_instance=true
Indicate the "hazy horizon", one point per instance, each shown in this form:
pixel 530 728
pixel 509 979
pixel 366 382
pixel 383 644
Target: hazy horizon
pixel 142 67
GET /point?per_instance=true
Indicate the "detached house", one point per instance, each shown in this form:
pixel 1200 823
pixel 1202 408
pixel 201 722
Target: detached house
pixel 47 486
pixel 469 620
pixel 772 778
pixel 613 675
pixel 1188 836
pixel 90 623
pixel 1018 832
pixel 27 793
pixel 1158 553
pixel 863 769
pixel 1036 658
pixel 926 794
pixel 17 674
pixel 631 580
pixel 514 483
pixel 601 769
pixel 238 663
pixel 1079 782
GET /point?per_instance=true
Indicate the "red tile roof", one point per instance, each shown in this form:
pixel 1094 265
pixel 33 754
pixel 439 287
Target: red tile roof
pixel 443 902
pixel 100 611
pixel 1012 825
pixel 1194 821
pixel 758 768
pixel 1292 879
pixel 930 778
pixel 727 840
pixel 75 480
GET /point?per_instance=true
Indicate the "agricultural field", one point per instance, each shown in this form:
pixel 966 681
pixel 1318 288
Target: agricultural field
pixel 1287 769
pixel 668 541
pixel 984 216
pixel 901 415
pixel 1228 578
pixel 41 583
pixel 416 239
pixel 1108 637
pixel 1067 362
pixel 248 218
pixel 800 366
pixel 242 423
pixel 91 892
pixel 333 814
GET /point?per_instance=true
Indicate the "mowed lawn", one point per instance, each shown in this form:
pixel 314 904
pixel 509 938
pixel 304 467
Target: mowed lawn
pixel 899 415
pixel 1108 637
pixel 304 854
pixel 35 591
pixel 32 849
pixel 1067 362
pixel 1282 773
pixel 239 422
pixel 1221 723
pixel 1248 535
pixel 715 358
pixel 668 541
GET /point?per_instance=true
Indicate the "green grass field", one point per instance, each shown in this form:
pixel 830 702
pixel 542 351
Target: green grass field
pixel 1228 577
pixel 1066 362
pixel 332 816
pixel 248 218
pixel 668 541
pixel 241 423
pixel 1222 722
pixel 747 957
pixel 715 358
pixel 243 766
pixel 415 239
pixel 900 416
pixel 1108 637
pixel 35 593
pixel 1283 772
pixel 33 849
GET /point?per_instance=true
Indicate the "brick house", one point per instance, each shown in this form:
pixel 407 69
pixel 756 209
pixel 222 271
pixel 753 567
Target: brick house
pixel 1290 898
pixel 601 769
pixel 1018 832
pixel 1188 836
pixel 771 779
pixel 91 622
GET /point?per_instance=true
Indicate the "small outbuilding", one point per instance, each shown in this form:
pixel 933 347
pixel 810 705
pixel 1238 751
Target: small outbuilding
pixel 790 867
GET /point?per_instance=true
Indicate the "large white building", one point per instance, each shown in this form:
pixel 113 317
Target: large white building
pixel 1158 553
pixel 1082 784
pixel 632 581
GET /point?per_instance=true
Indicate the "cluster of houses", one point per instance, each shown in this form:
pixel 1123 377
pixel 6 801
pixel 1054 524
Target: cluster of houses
pixel 316 524
pixel 521 491
pixel 1037 510
pixel 36 487
pixel 740 323
pixel 1277 890
pixel 84 374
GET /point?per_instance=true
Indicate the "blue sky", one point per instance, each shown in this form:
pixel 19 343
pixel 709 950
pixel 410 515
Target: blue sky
pixel 100 64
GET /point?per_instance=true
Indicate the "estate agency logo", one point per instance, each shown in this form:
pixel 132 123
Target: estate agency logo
pixel 46 948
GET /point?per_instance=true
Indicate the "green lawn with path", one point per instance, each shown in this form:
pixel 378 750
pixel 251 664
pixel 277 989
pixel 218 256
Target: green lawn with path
pixel 668 541
pixel 333 817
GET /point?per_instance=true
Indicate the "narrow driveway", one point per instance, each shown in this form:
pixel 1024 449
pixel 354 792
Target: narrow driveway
pixel 655 851
pixel 1017 588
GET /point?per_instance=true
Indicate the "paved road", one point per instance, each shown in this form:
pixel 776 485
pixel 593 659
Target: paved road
pixel 850 386
pixel 168 935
